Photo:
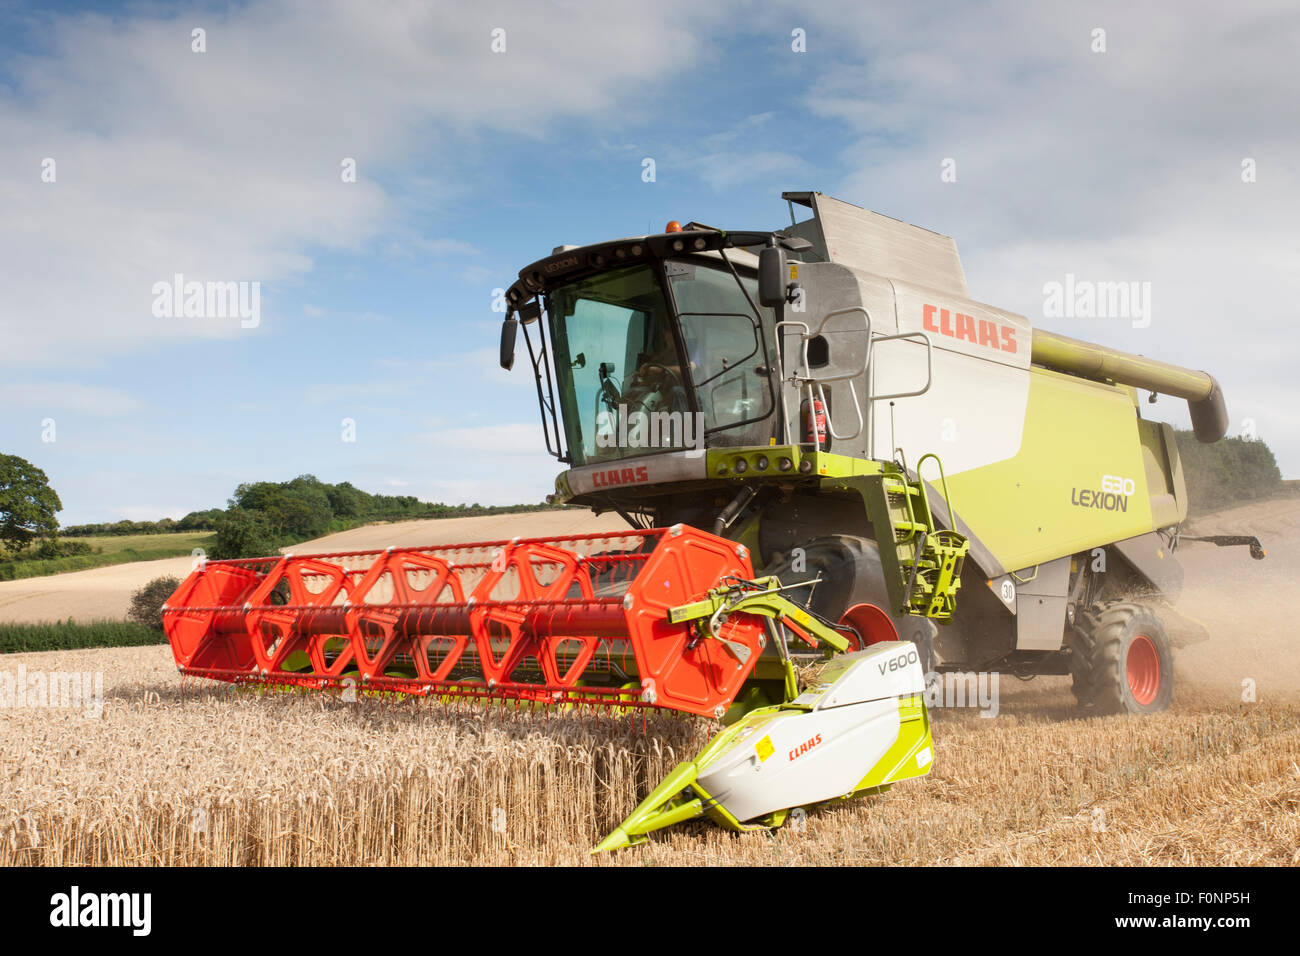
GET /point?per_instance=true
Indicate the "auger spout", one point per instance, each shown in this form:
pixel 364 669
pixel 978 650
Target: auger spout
pixel 1204 397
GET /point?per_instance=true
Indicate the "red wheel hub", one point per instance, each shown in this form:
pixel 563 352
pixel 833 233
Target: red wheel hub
pixel 1143 669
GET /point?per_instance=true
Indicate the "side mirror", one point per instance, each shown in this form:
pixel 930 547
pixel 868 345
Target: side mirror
pixel 773 276
pixel 509 329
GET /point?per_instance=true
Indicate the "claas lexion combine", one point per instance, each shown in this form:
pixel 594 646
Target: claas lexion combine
pixel 827 454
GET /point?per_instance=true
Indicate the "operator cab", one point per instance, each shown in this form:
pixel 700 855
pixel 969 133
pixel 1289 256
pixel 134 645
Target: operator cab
pixel 659 344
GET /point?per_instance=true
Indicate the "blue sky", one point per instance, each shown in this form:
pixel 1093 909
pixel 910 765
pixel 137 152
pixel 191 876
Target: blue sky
pixel 376 295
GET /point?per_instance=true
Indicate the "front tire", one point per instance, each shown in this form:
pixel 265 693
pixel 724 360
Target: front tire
pixel 1122 661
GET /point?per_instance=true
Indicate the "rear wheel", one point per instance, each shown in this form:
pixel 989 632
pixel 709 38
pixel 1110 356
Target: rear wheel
pixel 1122 661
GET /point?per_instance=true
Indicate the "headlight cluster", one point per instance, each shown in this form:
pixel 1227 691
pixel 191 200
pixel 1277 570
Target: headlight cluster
pixel 761 463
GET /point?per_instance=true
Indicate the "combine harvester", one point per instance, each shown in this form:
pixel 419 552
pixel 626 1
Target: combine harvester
pixel 760 407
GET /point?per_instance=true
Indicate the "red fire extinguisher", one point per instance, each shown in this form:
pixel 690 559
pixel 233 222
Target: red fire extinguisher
pixel 812 414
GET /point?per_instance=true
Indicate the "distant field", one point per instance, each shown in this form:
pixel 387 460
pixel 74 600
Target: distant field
pixel 114 549
pixel 105 592
pixel 173 543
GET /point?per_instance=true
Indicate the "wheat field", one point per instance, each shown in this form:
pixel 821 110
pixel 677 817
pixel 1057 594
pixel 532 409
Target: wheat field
pixel 173 774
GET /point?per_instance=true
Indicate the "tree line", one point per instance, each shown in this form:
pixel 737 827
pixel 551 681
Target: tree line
pixel 259 518
pixel 1227 472
pixel 266 515
pixel 194 521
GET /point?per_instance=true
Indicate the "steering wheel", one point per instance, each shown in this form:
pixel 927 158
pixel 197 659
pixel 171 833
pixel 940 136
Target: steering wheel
pixel 651 378
pixel 639 377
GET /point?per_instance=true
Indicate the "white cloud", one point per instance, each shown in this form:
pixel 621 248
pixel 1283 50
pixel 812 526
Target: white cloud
pixel 225 165
pixel 95 400
pixel 725 170
pixel 1123 165
pixel 491 441
pixel 726 159
pixel 483 364
pixel 509 464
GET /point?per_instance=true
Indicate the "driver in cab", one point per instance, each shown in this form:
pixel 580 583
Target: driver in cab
pixel 656 385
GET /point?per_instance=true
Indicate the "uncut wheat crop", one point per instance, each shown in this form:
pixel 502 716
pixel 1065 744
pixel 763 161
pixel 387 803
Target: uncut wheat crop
pixel 202 775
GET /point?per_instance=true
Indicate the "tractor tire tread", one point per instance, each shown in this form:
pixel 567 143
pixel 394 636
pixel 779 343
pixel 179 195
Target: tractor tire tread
pixel 1100 645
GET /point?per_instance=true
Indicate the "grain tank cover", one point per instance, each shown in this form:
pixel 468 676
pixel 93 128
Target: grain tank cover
pixel 861 239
